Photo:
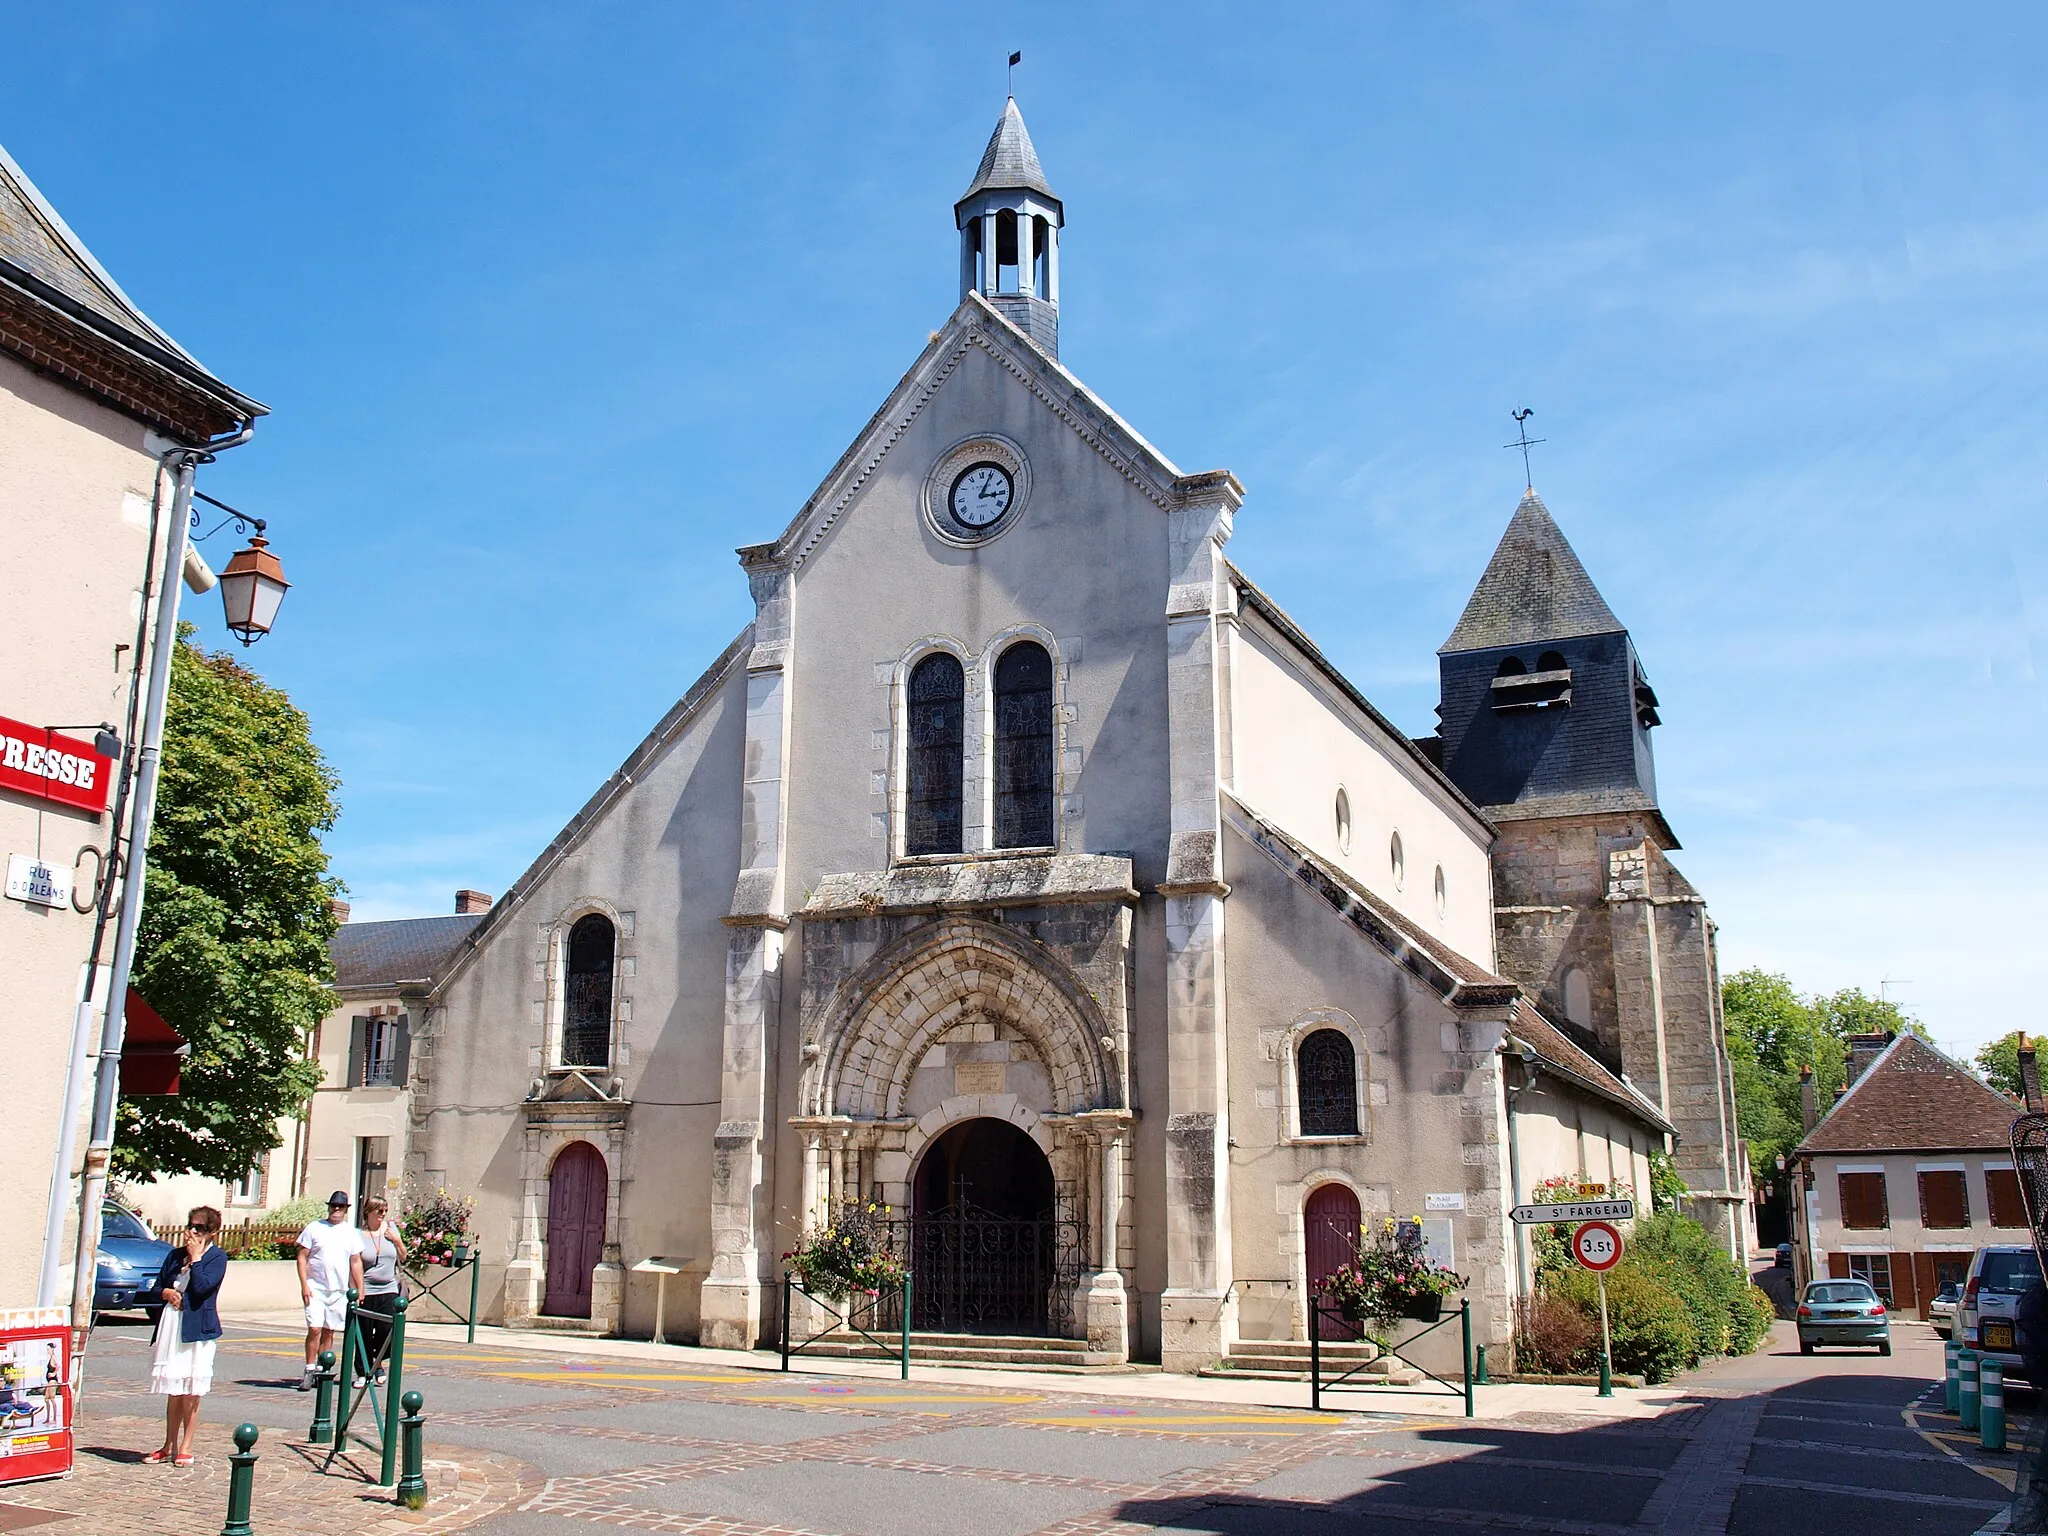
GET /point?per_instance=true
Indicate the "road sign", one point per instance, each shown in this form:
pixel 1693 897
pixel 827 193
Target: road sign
pixel 1573 1211
pixel 1597 1247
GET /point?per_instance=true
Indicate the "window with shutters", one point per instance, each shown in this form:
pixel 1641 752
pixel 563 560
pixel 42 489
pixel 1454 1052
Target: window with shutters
pixel 1326 1078
pixel 1024 747
pixel 1876 1268
pixel 937 707
pixel 378 1050
pixel 587 993
pixel 1944 1201
pixel 1863 1202
pixel 2003 1186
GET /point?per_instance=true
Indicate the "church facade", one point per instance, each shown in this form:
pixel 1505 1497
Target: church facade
pixel 1023 869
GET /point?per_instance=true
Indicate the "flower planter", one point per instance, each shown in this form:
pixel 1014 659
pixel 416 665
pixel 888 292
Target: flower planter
pixel 1423 1306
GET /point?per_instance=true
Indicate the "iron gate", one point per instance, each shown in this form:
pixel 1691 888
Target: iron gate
pixel 977 1272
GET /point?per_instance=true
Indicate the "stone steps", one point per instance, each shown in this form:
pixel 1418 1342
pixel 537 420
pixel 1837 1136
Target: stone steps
pixel 1017 1352
pixel 1288 1360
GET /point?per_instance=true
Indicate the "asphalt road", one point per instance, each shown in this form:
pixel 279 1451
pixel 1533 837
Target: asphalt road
pixel 1773 1445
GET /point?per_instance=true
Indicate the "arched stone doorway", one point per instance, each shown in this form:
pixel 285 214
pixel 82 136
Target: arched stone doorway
pixel 1330 1232
pixel 986 1245
pixel 575 1234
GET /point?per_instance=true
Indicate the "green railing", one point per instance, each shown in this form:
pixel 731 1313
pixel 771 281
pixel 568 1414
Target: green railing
pixel 429 1291
pixel 1318 1383
pixel 859 1313
pixel 355 1377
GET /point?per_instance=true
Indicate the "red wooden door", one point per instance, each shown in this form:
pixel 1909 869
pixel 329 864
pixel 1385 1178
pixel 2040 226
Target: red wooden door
pixel 1330 1221
pixel 575 1236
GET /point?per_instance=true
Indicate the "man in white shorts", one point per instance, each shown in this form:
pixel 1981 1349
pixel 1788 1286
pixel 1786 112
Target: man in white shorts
pixel 330 1261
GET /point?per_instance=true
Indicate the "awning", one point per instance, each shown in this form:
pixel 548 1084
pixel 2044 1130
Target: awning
pixel 152 1051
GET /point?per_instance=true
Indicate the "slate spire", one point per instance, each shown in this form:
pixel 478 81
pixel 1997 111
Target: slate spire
pixel 1009 220
pixel 1534 589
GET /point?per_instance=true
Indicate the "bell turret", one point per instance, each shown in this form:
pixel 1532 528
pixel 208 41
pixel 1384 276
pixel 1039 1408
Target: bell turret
pixel 1009 222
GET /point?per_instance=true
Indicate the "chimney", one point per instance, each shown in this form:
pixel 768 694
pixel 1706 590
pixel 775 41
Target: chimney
pixel 339 908
pixel 1864 1049
pixel 468 902
pixel 1807 1117
pixel 2030 1076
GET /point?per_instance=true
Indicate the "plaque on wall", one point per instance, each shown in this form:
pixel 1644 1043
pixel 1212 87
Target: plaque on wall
pixel 980 1077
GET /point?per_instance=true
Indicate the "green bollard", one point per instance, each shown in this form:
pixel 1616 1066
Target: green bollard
pixel 1480 1375
pixel 1606 1375
pixel 412 1484
pixel 241 1482
pixel 1966 1394
pixel 394 1384
pixel 1951 1385
pixel 1990 1404
pixel 322 1432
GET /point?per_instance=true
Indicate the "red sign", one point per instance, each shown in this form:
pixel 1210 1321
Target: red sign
pixel 42 763
pixel 1597 1246
pixel 35 1394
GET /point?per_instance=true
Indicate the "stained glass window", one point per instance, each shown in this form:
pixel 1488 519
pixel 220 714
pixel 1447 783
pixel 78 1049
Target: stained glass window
pixel 938 691
pixel 1327 1078
pixel 587 1006
pixel 1024 747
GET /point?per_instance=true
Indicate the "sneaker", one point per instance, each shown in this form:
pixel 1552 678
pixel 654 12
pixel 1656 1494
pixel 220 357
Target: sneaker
pixel 306 1380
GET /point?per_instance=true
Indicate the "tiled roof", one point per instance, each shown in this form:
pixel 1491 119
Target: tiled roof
pixel 1914 1099
pixel 404 950
pixel 1561 1055
pixel 1534 589
pixel 1010 163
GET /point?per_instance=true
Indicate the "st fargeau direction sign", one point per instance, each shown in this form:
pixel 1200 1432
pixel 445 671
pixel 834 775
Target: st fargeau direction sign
pixel 1573 1210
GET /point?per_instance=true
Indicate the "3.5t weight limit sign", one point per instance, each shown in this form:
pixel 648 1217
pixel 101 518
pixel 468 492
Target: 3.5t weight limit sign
pixel 1597 1246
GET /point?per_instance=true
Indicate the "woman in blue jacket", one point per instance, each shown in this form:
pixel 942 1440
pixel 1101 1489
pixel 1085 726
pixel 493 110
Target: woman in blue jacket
pixel 182 1364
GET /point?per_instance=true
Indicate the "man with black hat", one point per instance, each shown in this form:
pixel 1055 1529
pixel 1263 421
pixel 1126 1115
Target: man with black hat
pixel 330 1261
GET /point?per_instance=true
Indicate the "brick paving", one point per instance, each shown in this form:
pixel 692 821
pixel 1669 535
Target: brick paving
pixel 533 1444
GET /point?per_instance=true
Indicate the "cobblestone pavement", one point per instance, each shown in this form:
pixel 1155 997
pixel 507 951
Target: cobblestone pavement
pixel 532 1443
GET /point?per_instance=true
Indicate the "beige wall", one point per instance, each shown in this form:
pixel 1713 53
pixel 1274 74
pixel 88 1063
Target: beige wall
pixel 75 486
pixel 1295 742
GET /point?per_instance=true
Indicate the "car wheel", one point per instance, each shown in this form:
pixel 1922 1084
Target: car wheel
pixel 1805 1348
pixel 1884 1349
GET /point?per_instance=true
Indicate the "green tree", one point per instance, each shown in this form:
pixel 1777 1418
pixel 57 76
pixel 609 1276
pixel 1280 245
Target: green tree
pixel 233 943
pixel 1999 1064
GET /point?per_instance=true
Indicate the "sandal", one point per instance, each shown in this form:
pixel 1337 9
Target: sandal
pixel 181 1461
pixel 156 1458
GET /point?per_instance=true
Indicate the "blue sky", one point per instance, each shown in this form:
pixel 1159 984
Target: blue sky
pixel 557 305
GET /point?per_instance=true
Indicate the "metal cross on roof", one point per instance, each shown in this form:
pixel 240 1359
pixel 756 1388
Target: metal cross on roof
pixel 1525 442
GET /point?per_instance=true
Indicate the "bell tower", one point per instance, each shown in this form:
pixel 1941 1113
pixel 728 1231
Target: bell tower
pixel 1009 222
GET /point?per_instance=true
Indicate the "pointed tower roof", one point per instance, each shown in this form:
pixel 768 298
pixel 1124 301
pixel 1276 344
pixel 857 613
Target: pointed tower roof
pixel 1534 590
pixel 1010 163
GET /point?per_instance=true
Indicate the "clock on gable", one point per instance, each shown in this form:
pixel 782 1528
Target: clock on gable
pixel 976 489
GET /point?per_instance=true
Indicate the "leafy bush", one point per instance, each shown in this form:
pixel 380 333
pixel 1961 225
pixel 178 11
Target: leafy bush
pixel 297 1213
pixel 852 1254
pixel 434 1226
pixel 1552 1335
pixel 1762 1313
pixel 1652 1331
pixel 1679 1252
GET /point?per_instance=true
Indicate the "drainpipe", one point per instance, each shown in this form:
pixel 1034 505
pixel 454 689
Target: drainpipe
pixel 1519 1050
pixel 182 462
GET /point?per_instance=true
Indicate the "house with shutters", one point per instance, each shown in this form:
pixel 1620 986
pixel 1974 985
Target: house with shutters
pixel 1907 1175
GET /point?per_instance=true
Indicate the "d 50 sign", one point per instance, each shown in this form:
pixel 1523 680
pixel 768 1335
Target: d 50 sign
pixel 42 763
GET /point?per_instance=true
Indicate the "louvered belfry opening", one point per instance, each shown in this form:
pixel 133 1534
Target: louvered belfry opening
pixel 937 709
pixel 587 1001
pixel 1327 1075
pixel 1024 747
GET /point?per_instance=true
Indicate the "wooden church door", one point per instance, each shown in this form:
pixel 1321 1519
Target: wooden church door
pixel 576 1199
pixel 1330 1222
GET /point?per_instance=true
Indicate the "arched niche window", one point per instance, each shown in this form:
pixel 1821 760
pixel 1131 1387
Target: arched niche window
pixel 938 692
pixel 1578 997
pixel 587 997
pixel 1550 661
pixel 1510 666
pixel 1326 1079
pixel 1024 747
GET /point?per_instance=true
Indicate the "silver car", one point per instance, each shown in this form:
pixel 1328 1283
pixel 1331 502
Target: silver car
pixel 1987 1316
pixel 1941 1312
pixel 1843 1312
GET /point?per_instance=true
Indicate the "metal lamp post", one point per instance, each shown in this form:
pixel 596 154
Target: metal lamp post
pixel 251 588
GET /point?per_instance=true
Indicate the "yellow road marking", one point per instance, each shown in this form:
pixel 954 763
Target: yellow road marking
pixel 566 1376
pixel 1139 1421
pixel 965 1400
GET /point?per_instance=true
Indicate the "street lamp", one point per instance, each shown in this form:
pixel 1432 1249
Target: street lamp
pixel 251 588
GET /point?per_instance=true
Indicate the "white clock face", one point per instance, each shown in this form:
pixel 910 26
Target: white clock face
pixel 981 495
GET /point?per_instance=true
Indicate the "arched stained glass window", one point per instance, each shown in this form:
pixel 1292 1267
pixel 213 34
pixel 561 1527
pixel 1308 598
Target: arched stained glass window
pixel 1024 747
pixel 938 692
pixel 1326 1078
pixel 587 1002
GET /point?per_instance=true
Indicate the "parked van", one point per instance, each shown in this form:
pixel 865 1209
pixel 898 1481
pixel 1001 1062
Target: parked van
pixel 1986 1317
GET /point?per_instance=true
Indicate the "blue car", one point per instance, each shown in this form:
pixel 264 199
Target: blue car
pixel 129 1261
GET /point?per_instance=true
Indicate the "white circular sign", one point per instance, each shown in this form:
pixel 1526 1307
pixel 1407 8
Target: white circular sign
pixel 1597 1246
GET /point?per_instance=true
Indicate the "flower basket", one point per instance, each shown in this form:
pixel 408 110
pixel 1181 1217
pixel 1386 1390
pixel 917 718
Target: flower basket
pixel 436 1229
pixel 850 1256
pixel 1423 1306
pixel 1392 1278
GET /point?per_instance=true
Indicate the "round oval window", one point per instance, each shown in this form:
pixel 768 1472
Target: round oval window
pixel 1398 859
pixel 1441 892
pixel 1343 821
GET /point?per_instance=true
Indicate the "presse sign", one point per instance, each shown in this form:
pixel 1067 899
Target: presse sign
pixel 42 763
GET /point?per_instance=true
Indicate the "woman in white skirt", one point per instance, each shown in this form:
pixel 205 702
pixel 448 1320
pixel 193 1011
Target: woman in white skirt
pixel 182 1364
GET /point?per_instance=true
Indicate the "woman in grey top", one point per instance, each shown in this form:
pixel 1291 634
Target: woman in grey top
pixel 383 1253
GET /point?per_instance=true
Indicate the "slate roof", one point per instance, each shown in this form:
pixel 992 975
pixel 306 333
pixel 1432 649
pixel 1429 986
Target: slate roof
pixel 40 256
pixel 1010 163
pixel 403 950
pixel 1534 589
pixel 1914 1099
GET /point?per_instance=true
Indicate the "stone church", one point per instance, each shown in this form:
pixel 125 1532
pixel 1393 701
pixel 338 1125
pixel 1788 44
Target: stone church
pixel 1024 868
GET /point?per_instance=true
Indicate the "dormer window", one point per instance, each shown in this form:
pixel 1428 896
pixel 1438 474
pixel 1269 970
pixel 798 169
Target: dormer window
pixel 1516 689
pixel 1646 703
